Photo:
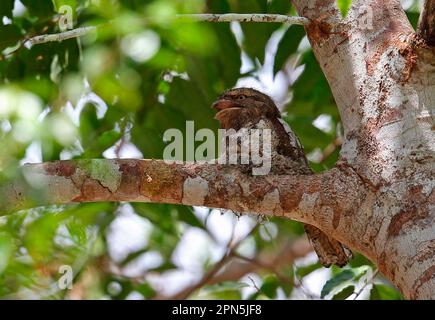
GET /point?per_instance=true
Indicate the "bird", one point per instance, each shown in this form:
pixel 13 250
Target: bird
pixel 248 108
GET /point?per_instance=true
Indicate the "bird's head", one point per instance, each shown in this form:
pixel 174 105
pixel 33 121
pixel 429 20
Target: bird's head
pixel 239 106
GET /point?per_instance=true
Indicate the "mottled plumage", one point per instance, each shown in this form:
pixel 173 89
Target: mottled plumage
pixel 250 109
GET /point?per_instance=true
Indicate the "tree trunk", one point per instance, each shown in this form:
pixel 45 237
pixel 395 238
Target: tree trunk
pixel 382 75
pixel 379 200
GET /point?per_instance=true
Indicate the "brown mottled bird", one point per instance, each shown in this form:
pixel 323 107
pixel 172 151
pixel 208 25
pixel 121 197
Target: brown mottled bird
pixel 250 109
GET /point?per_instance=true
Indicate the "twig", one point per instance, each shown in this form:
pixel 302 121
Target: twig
pixel 228 17
pixel 241 266
pixel 262 265
pixel 252 17
pixel 75 33
pixel 210 274
pixel 330 149
pixel 253 261
pixel 254 284
pixel 120 144
pixel 426 24
pixel 305 291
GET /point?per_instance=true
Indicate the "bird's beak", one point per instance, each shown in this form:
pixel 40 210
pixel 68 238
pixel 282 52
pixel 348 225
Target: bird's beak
pixel 224 104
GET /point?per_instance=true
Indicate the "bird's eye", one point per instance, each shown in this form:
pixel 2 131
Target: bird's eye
pixel 241 97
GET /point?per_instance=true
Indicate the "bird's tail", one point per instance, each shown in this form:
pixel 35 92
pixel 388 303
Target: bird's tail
pixel 329 250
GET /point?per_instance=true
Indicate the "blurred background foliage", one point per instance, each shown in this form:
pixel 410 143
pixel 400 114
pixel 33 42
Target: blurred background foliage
pixel 113 93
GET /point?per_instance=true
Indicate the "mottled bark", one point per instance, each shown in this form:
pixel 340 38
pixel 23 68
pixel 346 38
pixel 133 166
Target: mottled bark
pixel 382 75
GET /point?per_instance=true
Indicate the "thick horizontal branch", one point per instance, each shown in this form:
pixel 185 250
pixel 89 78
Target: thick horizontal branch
pixel 426 24
pixel 318 199
pixel 229 17
pixel 235 268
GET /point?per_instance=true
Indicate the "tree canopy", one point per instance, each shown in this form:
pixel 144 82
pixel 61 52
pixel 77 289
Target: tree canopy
pixel 113 93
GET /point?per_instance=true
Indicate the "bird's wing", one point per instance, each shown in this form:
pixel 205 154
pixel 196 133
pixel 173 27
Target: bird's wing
pixel 329 250
pixel 294 141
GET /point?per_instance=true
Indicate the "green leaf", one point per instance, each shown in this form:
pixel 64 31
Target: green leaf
pixel 249 6
pixel 102 143
pixel 304 271
pixel 339 279
pixel 193 106
pixel 413 18
pixel 256 35
pixel 132 256
pixel 6 250
pixel 6 7
pixel 312 94
pixel 168 265
pixel 97 135
pixel 287 284
pixel 39 238
pixel 360 271
pixel 43 87
pixel 110 88
pixel 213 74
pixel 165 235
pixel 359 260
pixel 227 290
pixel 126 287
pixel 287 46
pixel 290 227
pixel 279 6
pixel 310 136
pixel 220 6
pixel 345 293
pixel 59 3
pixel 38 59
pixel 228 60
pixel 342 278
pixel 158 214
pixel 146 290
pixel 185 214
pixel 344 6
pixel 9 36
pixel 42 8
pixel 383 292
pixel 227 285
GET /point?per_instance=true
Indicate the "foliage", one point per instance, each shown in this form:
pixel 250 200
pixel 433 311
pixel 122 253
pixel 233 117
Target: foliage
pixel 344 6
pixel 119 89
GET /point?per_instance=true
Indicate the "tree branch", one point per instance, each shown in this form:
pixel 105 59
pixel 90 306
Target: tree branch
pixel 371 28
pixel 228 17
pixel 319 199
pixel 75 33
pixel 426 24
pixel 251 17
pixel 235 268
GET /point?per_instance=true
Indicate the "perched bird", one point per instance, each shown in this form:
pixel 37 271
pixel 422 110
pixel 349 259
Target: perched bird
pixel 250 109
